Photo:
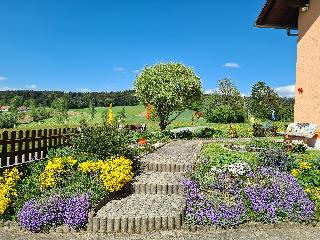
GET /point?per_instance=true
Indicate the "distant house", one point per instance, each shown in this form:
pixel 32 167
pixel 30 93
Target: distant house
pixel 22 109
pixel 303 16
pixel 4 108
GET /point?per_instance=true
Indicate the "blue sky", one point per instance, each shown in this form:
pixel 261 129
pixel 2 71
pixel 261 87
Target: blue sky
pixel 99 45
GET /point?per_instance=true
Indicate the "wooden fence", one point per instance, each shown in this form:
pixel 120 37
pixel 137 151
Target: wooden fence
pixel 19 147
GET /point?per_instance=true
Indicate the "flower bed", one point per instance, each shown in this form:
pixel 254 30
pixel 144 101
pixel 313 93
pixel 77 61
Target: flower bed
pixel 74 181
pixel 228 188
pixel 63 191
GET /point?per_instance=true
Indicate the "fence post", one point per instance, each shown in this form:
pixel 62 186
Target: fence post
pixel 4 151
pixel 13 136
pixel 45 142
pixel 27 146
pixel 33 144
pixel 39 141
pixel 20 145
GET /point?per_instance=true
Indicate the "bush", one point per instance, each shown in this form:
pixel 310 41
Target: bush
pixel 265 144
pixel 39 114
pixel 185 134
pixel 225 114
pixel 8 120
pixel 103 141
pixel 258 130
pixel 275 158
pixel 208 133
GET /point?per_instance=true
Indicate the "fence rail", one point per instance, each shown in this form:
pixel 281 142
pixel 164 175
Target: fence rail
pixel 19 147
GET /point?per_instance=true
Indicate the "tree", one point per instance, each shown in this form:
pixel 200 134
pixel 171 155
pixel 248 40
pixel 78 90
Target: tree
pixel 226 105
pixel 61 105
pixel 108 101
pixel 92 109
pixel 263 101
pixel 15 102
pixel 170 88
pixel 229 93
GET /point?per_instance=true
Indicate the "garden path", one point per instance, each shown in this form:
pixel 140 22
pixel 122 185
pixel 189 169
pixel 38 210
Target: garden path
pixel 158 201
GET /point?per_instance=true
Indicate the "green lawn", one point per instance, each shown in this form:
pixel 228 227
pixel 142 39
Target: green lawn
pixel 134 114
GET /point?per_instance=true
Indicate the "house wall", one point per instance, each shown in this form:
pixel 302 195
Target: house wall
pixel 307 106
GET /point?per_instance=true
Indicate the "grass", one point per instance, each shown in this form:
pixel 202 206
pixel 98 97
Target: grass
pixel 134 115
pixel 218 155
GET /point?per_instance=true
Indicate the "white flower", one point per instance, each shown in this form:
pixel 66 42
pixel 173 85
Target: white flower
pixel 238 168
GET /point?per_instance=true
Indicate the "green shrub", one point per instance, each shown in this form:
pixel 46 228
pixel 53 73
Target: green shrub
pixel 265 144
pixel 185 134
pixel 258 130
pixel 208 133
pixel 8 120
pixel 103 141
pixel 39 114
pixel 225 114
pixel 275 158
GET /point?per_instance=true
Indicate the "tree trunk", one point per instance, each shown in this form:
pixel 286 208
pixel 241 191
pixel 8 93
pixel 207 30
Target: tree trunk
pixel 163 124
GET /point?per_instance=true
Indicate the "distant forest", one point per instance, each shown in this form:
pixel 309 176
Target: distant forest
pixel 76 99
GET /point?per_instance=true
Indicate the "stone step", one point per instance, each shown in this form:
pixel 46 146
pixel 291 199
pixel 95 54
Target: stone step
pixel 163 183
pixel 166 167
pixel 139 213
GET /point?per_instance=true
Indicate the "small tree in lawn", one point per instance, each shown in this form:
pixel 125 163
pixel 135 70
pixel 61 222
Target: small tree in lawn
pixel 170 88
pixel 61 106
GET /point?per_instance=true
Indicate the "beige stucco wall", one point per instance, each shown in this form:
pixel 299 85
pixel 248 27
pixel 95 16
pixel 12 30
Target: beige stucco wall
pixel 307 107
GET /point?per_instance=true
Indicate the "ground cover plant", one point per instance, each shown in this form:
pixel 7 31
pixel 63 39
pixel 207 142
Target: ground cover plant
pixel 228 187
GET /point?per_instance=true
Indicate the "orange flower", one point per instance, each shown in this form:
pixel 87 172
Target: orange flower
pixel 142 141
pixel 149 111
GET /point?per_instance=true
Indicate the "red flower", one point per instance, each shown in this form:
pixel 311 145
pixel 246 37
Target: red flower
pixel 142 141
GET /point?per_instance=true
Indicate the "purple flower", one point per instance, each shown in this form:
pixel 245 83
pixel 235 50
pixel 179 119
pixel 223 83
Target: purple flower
pixel 265 195
pixel 37 215
pixel 76 211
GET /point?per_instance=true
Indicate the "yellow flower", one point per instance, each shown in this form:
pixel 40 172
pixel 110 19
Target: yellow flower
pixel 305 165
pixel 7 187
pixel 110 115
pixel 295 172
pixel 54 168
pixel 115 173
pixel 71 160
pixel 90 166
pixel 307 190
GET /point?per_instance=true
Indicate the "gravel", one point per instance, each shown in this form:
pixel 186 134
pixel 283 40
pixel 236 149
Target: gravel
pixel 179 152
pixel 143 205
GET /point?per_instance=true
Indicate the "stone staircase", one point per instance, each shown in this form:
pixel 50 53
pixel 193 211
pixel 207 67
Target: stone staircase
pixel 158 200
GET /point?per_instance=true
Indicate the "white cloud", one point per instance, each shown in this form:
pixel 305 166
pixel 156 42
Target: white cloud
pixel 136 71
pixel 119 69
pixel 6 89
pixel 85 90
pixel 2 78
pixel 231 65
pixel 32 86
pixel 286 91
pixel 210 91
